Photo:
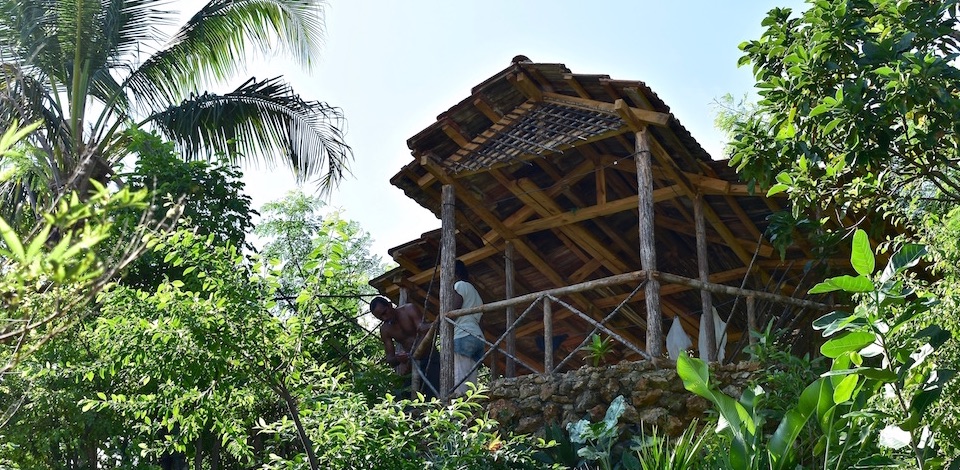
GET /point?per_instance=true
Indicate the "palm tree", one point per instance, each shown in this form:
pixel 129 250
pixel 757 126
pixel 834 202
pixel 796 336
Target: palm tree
pixel 78 66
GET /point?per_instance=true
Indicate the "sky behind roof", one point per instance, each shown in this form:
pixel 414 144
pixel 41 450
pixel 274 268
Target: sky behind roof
pixel 394 66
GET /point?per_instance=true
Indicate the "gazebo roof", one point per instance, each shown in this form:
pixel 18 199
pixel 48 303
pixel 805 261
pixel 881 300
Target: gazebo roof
pixel 544 158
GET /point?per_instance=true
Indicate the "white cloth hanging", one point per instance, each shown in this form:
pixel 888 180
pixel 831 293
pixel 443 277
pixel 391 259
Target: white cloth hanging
pixel 720 328
pixel 677 339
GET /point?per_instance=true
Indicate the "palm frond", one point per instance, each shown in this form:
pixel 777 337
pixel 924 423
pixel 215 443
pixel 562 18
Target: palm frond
pixel 25 99
pixel 257 120
pixel 211 46
pixel 134 26
pixel 25 35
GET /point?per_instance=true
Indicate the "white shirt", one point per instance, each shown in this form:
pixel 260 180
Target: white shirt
pixel 467 324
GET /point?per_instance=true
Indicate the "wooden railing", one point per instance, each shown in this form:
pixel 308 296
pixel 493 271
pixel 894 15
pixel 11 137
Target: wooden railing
pixel 548 298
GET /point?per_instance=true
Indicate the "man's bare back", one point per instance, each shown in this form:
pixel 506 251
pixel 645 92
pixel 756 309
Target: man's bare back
pixel 400 327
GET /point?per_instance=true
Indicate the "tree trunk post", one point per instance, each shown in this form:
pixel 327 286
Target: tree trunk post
pixel 648 251
pixel 752 318
pixel 547 336
pixel 703 265
pixel 448 253
pixel 509 274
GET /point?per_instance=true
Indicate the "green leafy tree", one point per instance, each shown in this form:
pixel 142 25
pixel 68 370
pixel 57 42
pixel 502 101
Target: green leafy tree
pixel 88 69
pixel 858 108
pixel 873 407
pixel 211 195
pixel 323 265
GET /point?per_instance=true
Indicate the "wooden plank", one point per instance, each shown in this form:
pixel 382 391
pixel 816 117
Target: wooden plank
pixel 528 190
pixel 448 253
pixel 703 267
pixel 648 249
pixel 613 235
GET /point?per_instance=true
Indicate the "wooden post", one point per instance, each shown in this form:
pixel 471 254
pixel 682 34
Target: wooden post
pixel 648 250
pixel 706 302
pixel 511 368
pixel 448 253
pixel 752 318
pixel 547 336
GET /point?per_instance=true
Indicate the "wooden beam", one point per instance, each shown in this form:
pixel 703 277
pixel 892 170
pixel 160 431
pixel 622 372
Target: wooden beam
pixel 486 108
pixel 643 115
pixel 670 289
pixel 600 182
pixel 480 209
pixel 526 86
pixel 730 290
pixel 453 132
pixel 678 226
pixel 587 213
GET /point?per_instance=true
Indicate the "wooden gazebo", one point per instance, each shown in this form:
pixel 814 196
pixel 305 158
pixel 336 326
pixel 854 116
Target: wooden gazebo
pixel 582 205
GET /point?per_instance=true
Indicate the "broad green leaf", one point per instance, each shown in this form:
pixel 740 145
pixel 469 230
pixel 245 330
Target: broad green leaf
pixel 844 283
pixel 823 288
pixel 12 240
pixel 873 373
pixel 838 321
pixel 852 341
pixel 854 284
pixel 861 255
pixel 831 126
pixel 906 257
pixel 777 189
pixel 845 389
pixel 820 109
pixel 37 243
pixel 695 375
pixel 884 71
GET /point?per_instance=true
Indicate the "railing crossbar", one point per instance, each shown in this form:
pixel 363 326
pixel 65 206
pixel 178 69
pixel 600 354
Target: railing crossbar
pixel 601 327
pixel 594 331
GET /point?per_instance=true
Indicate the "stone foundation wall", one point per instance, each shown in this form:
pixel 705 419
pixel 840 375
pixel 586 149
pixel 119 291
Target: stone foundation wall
pixel 654 395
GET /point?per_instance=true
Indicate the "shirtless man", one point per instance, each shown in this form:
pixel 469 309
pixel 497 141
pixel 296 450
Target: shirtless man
pixel 400 332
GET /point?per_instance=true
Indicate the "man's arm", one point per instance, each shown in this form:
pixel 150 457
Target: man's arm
pixel 391 356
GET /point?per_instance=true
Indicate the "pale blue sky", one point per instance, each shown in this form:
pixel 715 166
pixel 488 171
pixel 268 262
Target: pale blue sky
pixel 394 66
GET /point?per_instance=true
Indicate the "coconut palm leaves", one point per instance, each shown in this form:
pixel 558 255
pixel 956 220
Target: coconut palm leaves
pixel 89 68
